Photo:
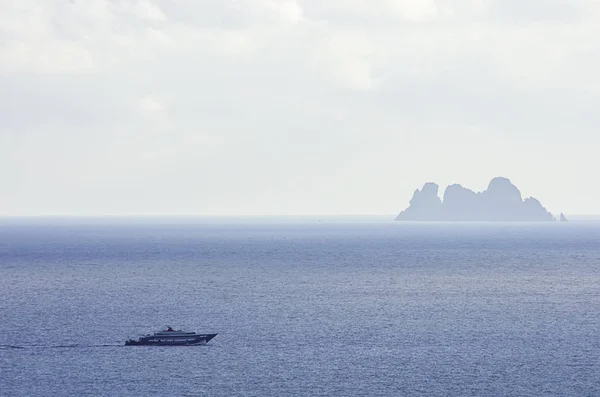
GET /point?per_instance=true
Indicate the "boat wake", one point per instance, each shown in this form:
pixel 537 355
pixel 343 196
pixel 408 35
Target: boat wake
pixel 57 346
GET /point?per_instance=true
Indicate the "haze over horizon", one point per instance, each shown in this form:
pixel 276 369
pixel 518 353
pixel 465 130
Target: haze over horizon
pixel 294 106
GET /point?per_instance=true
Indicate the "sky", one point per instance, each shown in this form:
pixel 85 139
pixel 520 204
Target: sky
pixel 225 107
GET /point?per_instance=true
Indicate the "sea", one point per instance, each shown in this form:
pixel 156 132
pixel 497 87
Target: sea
pixel 302 307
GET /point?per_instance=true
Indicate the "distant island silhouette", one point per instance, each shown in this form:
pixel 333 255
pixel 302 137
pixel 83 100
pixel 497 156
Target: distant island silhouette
pixel 501 202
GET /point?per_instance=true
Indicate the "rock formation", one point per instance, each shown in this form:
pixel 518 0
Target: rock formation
pixel 425 204
pixel 501 202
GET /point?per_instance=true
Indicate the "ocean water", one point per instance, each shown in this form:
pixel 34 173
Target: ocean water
pixel 302 308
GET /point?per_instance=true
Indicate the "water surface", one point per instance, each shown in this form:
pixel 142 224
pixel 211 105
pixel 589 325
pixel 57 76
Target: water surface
pixel 301 307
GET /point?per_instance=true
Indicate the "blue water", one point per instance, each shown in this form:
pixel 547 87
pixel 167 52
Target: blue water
pixel 302 308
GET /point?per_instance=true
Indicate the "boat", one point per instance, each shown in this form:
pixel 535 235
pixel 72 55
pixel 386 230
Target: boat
pixel 171 337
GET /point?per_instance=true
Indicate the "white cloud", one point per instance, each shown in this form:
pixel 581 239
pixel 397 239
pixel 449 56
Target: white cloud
pixel 150 104
pixel 301 106
pixel 289 10
pixel 148 10
pixel 350 61
pixel 415 10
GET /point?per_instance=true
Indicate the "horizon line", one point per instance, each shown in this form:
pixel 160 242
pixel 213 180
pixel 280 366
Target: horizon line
pixel 195 215
pixel 230 215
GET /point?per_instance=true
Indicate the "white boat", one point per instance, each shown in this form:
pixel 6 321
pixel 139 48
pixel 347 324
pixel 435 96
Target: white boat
pixel 171 337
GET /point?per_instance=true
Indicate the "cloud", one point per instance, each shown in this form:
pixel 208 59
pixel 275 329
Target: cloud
pixel 416 10
pixel 303 101
pixel 147 10
pixel 349 60
pixel 150 104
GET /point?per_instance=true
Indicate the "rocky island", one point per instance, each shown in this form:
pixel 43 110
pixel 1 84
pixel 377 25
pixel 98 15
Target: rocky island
pixel 501 202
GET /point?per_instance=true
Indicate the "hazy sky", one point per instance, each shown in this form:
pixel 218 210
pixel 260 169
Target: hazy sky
pixel 294 106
